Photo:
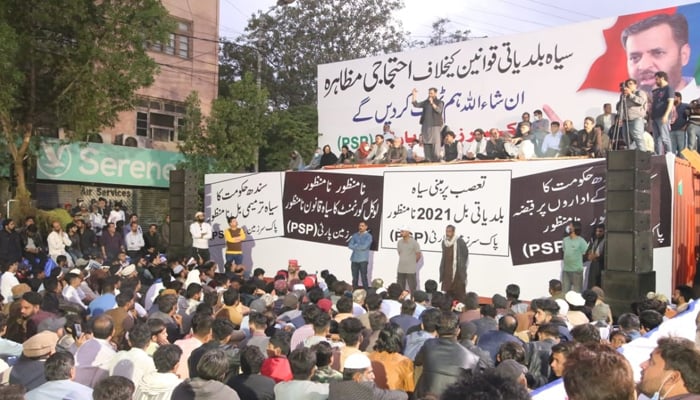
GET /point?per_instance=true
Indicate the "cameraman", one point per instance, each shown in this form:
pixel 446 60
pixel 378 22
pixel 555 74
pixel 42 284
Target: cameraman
pixel 632 110
pixel 693 113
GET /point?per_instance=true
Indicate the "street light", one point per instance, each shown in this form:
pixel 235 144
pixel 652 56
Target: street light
pixel 280 3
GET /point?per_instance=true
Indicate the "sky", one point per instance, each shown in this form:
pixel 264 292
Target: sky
pixel 490 18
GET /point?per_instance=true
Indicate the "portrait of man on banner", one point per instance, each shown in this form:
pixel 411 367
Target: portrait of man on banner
pixel 639 45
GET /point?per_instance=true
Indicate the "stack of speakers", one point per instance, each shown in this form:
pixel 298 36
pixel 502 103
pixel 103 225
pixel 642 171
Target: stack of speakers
pixel 184 202
pixel 629 247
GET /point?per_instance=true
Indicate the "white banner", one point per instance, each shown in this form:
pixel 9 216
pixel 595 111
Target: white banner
pixel 476 202
pixel 255 200
pixel 568 72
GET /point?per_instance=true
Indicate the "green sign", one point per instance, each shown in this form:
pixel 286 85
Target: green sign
pixel 105 163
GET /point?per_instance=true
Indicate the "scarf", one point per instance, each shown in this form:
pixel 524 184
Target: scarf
pixel 449 244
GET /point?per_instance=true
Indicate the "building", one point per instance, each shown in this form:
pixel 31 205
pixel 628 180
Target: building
pixel 131 160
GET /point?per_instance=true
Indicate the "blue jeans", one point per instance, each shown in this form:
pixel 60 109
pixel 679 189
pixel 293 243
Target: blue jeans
pixel 636 133
pixel 678 142
pixel 359 269
pixel 237 258
pixel 662 136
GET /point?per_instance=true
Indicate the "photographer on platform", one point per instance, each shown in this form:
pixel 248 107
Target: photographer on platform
pixel 632 109
pixel 693 113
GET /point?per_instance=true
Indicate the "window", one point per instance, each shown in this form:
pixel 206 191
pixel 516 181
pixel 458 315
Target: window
pixel 179 43
pixel 161 120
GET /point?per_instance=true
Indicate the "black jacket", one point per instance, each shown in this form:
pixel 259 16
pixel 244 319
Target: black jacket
pixel 444 362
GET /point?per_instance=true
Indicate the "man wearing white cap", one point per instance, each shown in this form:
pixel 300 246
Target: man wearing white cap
pixel 358 382
pixel 409 255
pixel 201 234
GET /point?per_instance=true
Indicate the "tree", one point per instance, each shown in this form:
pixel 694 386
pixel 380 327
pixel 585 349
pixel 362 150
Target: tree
pixel 71 65
pixel 441 35
pixel 227 140
pixel 293 129
pixel 293 40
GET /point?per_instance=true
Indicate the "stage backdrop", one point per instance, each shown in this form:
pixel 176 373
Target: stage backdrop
pixel 511 214
pixel 568 72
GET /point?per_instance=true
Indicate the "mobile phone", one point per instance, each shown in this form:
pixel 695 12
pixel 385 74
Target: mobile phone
pixel 77 330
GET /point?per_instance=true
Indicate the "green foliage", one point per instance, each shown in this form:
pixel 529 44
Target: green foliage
pixel 293 40
pixel 294 129
pixel 227 141
pixel 442 35
pixel 72 64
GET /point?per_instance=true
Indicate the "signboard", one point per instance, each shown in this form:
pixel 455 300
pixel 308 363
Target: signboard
pixel 568 72
pixel 326 208
pixel 254 200
pixel 105 163
pixel 474 201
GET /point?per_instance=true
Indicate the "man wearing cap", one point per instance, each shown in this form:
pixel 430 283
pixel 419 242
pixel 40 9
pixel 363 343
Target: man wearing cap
pixel 576 302
pixel 453 264
pixel 29 369
pixel 409 255
pixel 358 382
pixel 201 234
pixel 60 372
pixel 360 243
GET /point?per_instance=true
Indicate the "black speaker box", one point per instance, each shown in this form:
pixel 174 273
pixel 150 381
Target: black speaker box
pixel 629 251
pixel 628 180
pixel 627 221
pixel 629 160
pixel 624 288
pixel 628 200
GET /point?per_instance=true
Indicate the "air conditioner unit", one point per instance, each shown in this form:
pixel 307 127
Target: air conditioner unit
pixel 137 141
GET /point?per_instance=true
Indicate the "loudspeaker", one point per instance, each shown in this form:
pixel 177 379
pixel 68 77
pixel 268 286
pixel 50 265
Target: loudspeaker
pixel 624 288
pixel 628 200
pixel 629 251
pixel 627 221
pixel 184 203
pixel 628 180
pixel 629 160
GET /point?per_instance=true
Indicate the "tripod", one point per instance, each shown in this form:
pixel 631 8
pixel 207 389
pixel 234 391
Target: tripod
pixel 617 128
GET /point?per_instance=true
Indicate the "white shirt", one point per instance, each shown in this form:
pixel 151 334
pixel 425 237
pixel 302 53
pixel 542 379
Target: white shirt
pixel 59 390
pixel 8 280
pixel 97 222
pixel 57 243
pixel 418 152
pixel 151 294
pixel 477 147
pixel 116 216
pixel 201 233
pixel 134 241
pixel 132 364
pixel 526 149
pixel 551 141
pixel 71 294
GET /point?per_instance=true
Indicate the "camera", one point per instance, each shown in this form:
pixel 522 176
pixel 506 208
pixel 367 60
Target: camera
pixel 622 86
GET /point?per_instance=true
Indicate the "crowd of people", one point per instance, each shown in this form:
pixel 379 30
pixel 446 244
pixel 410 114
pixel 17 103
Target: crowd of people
pixel 143 326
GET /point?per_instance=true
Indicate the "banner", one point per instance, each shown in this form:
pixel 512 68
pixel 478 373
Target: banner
pixel 544 203
pixel 326 208
pixel 254 200
pixel 105 163
pixel 488 83
pixel 476 202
